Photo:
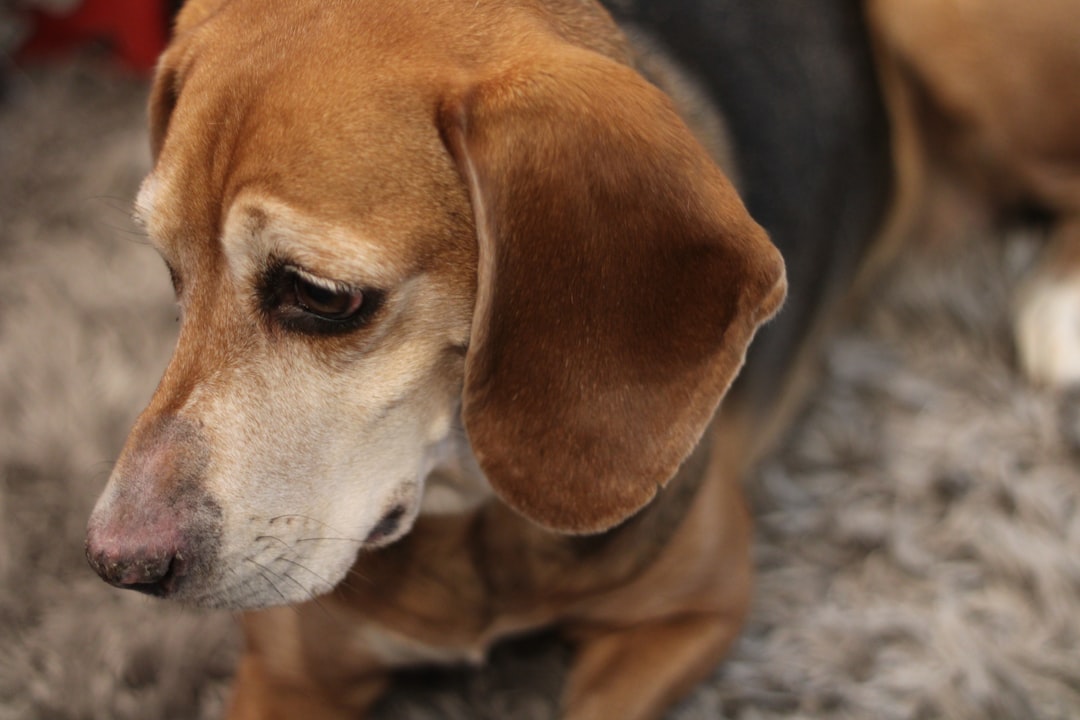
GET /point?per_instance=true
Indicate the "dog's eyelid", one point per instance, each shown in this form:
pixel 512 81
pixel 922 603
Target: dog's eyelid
pixel 334 286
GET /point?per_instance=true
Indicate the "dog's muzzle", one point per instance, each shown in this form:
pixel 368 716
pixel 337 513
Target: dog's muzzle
pixel 155 525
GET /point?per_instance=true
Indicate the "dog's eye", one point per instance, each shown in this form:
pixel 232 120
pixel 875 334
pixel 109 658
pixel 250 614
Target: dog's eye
pixel 299 301
pixel 326 303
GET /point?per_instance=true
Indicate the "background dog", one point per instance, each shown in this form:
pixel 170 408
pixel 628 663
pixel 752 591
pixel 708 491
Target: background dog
pixel 984 108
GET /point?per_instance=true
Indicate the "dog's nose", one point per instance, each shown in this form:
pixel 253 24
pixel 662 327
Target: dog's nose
pixel 149 560
pixel 155 527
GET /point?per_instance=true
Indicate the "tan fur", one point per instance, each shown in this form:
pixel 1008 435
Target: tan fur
pixel 570 287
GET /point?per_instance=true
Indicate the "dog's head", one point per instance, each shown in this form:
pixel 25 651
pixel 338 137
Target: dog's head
pixel 382 218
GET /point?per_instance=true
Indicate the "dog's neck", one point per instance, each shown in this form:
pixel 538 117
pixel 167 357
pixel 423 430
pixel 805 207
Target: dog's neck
pixel 468 569
pixel 455 484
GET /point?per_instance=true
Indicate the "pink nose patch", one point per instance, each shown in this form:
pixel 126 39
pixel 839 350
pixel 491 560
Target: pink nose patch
pixel 156 527
pixel 147 557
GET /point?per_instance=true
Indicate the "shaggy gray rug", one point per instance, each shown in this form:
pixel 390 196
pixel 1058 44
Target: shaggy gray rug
pixel 919 539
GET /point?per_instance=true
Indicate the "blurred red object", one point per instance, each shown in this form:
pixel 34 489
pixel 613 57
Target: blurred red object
pixel 134 30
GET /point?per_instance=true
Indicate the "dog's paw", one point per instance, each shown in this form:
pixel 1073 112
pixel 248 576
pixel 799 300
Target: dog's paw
pixel 1046 317
pixel 1047 328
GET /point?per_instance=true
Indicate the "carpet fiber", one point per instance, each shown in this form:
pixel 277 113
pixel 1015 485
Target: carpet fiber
pixel 918 543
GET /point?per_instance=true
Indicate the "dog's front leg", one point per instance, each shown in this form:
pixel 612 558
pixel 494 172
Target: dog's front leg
pixel 287 674
pixel 636 673
pixel 637 668
pixel 258 695
pixel 646 645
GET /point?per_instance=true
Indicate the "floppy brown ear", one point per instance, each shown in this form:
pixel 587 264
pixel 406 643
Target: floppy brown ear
pixel 620 281
pixel 193 13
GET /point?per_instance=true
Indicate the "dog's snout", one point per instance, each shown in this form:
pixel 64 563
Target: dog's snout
pixel 156 528
pixel 151 560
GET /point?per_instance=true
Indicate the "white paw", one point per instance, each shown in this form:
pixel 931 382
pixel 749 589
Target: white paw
pixel 1047 327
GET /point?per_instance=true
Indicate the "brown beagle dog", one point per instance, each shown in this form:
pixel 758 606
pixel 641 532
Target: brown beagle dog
pixel 462 287
pixel 460 294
